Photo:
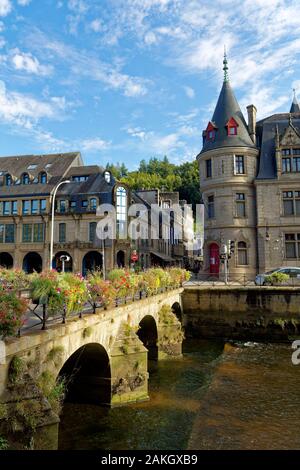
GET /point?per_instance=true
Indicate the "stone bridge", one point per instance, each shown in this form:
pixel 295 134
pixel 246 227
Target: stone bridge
pixel 102 358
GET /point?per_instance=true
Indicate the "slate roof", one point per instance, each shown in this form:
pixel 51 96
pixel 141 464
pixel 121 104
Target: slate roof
pixel 55 165
pixel 295 108
pixel 266 132
pixel 227 107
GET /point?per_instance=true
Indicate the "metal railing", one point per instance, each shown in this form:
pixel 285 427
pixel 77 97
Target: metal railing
pixel 209 279
pixel 38 315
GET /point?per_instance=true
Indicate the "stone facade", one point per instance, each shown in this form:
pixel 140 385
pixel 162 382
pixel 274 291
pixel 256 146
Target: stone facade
pixel 250 182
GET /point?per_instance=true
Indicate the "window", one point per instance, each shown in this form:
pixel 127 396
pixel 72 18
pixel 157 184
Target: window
pixel 34 206
pixel 296 164
pixel 240 205
pixel 107 176
pixel 80 179
pixel 43 206
pixel 9 233
pixel 25 178
pixel 286 165
pixel 92 231
pixel 6 208
pixel 62 233
pixel 73 205
pixel 291 203
pixel 84 203
pixel 286 152
pixel 14 207
pixel 210 131
pixel 43 178
pixel 25 207
pixel 38 232
pixel 121 199
pixel 242 253
pixel 292 245
pixel 62 205
pixel 239 165
pixel 211 135
pixel 33 233
pixel 211 207
pixel 8 180
pixel 27 233
pixel 166 204
pixel 232 126
pixel 93 204
pixel 208 169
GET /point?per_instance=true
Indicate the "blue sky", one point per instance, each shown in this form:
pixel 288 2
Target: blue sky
pixel 122 80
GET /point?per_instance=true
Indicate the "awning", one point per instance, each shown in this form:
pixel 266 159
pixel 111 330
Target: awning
pixel 162 256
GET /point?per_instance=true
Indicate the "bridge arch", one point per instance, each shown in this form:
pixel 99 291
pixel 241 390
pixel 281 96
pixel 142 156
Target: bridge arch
pixel 87 375
pixel 148 334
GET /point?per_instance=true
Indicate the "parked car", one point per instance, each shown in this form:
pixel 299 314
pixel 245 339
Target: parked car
pixel 292 272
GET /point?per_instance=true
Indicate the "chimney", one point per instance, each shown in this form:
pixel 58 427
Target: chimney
pixel 251 109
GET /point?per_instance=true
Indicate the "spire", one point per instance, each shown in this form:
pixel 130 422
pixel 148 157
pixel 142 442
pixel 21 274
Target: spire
pixel 225 66
pixel 295 108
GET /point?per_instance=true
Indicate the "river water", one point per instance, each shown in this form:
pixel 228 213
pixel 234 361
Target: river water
pixel 212 398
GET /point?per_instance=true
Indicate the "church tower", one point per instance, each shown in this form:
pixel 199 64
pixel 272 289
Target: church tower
pixel 228 167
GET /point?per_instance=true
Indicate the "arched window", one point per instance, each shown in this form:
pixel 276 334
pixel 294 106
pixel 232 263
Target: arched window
pixel 8 180
pixel 93 204
pixel 43 177
pixel 121 212
pixel 107 176
pixel 25 178
pixel 242 253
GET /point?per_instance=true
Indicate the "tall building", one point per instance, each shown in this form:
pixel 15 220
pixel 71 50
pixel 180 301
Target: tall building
pixel 250 182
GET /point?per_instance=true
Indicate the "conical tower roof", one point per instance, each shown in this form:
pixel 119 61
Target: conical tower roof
pixel 295 108
pixel 227 108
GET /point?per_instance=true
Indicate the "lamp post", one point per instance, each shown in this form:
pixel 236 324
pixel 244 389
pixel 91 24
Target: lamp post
pixel 52 220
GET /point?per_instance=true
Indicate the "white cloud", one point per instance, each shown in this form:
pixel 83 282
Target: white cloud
pixel 190 92
pixel 5 7
pixel 95 144
pixel 24 3
pixel 83 64
pixel 29 63
pixel 96 25
pixel 2 42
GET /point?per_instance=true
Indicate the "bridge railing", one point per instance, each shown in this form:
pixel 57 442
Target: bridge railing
pixel 38 316
pixel 215 280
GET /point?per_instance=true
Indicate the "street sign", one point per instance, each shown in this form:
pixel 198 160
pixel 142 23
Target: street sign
pixel 134 256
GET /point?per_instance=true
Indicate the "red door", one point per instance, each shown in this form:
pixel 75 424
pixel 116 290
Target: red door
pixel 214 259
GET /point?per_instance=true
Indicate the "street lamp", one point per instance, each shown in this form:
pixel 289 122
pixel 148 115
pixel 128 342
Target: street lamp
pixel 52 220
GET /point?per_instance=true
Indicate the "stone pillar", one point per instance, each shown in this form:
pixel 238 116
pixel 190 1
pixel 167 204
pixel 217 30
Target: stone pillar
pixel 170 334
pixel 129 368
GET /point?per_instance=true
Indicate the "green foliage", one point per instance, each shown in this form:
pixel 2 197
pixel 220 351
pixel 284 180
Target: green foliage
pixel 87 332
pixel 57 394
pixel 12 310
pixel 277 278
pixel 16 369
pixel 118 170
pixel 55 354
pixel 166 176
pixel 3 411
pixel 3 443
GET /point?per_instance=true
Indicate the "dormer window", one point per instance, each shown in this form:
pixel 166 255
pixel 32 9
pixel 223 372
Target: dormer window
pixel 107 176
pixel 25 178
pixel 43 177
pixel 8 180
pixel 211 131
pixel 232 126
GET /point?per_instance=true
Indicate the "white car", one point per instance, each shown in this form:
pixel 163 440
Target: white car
pixel 292 272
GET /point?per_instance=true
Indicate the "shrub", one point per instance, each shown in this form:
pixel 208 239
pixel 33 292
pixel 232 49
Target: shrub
pixel 3 443
pixel 277 278
pixel 15 279
pixel 12 311
pixel 74 289
pixel 45 288
pixel 100 292
pixel 122 281
pixel 16 369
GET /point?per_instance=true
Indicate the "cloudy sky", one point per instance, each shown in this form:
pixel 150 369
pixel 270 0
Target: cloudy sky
pixel 121 80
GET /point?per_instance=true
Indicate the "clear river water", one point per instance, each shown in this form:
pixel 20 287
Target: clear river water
pixel 211 398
